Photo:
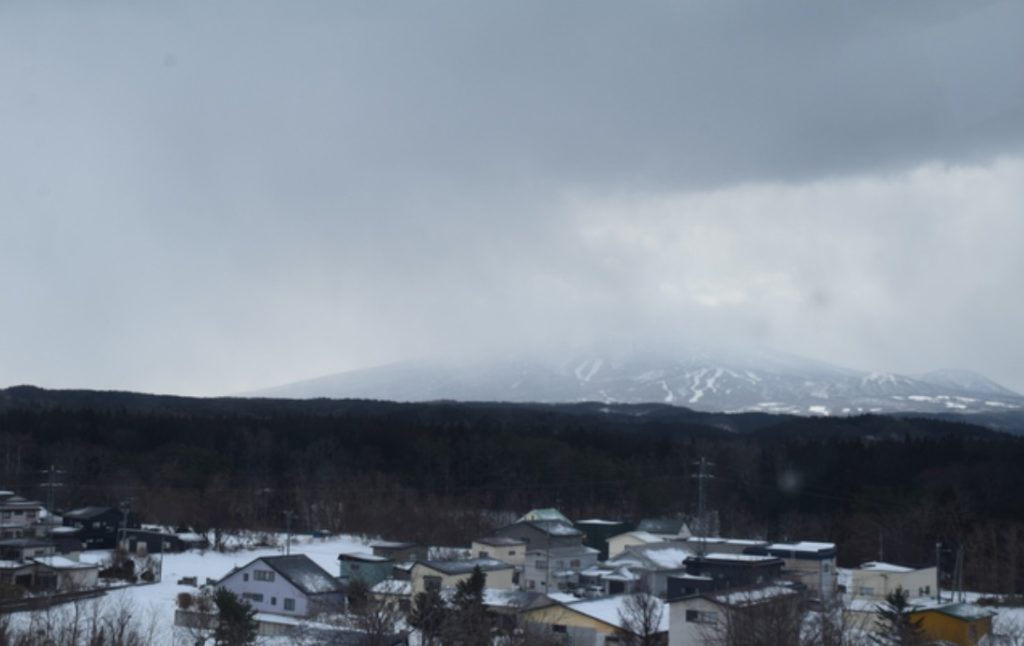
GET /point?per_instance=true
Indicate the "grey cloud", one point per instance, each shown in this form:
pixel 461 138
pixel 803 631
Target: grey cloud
pixel 206 197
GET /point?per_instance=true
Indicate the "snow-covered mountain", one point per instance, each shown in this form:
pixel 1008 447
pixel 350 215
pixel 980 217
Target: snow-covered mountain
pixel 701 381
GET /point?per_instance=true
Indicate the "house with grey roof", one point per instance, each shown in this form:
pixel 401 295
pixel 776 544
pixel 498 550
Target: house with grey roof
pixel 652 565
pixel 542 534
pixel 286 585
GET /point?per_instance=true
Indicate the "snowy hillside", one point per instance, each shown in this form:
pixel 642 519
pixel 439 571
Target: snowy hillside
pixel 701 381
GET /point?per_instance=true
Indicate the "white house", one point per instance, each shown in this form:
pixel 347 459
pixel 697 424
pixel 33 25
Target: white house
pixel 501 548
pixel 875 580
pixel 286 585
pixel 442 575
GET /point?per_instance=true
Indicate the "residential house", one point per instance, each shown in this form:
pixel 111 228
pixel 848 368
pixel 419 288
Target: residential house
pixel 592 622
pixel 956 623
pixel 441 575
pixel 876 579
pixel 148 540
pixel 31 564
pixel 368 568
pixel 557 568
pixel 61 573
pixel 18 515
pixel 668 528
pixel 502 548
pixel 651 564
pixel 720 571
pixel 619 542
pixel 286 585
pixel 736 614
pixel 809 563
pixel 542 534
pixel 399 551
pixel 100 526
pixel 597 532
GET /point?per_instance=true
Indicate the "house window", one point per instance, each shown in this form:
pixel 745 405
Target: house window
pixel 540 565
pixel 263 575
pixel 355 566
pixel 511 552
pixel 574 563
pixel 701 617
pixel 432 583
pixel 483 555
pixel 273 601
pixel 866 591
pixel 289 603
pixel 245 576
pixel 558 628
pixel 532 584
pixel 253 596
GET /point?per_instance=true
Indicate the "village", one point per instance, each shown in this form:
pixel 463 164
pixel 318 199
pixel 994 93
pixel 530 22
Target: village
pixel 542 578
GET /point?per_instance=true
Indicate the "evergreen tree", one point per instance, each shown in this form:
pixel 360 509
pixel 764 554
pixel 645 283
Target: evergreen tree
pixel 429 615
pixel 469 623
pixel 236 625
pixel 893 623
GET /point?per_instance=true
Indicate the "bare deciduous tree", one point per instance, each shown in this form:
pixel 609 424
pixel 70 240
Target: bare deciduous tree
pixel 641 618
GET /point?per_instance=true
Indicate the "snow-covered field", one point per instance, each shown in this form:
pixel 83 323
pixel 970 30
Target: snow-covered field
pixel 155 603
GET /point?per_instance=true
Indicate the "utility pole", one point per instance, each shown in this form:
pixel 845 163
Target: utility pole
pixel 702 474
pixel 938 571
pixel 288 532
pixel 51 484
pixel 125 506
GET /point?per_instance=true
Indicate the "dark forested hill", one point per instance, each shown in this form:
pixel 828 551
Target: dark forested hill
pixel 446 471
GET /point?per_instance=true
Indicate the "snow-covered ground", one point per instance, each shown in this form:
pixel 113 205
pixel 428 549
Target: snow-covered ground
pixel 155 603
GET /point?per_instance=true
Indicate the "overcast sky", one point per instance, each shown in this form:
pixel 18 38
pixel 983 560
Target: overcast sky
pixel 209 197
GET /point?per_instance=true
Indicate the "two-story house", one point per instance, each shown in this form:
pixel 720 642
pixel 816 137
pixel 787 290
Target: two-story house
pixel 286 585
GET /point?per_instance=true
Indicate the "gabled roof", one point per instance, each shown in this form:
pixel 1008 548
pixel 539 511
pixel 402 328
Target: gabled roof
pixel 85 513
pixel 961 611
pixel 63 563
pixel 610 610
pixel 300 571
pixel 548 513
pixel 656 556
pixel 363 557
pixel 668 526
pixel 500 541
pixel 879 566
pixel 465 566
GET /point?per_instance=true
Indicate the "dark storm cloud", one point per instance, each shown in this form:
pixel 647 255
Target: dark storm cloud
pixel 206 197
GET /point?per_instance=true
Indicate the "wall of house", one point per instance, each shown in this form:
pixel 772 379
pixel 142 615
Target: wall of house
pixel 941 627
pixel 618 544
pixel 819 576
pixel 274 592
pixel 514 555
pixel 536 575
pixel 873 584
pixel 498 579
pixel 687 632
pixel 370 572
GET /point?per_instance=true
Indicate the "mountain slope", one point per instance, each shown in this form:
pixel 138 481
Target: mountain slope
pixel 724 382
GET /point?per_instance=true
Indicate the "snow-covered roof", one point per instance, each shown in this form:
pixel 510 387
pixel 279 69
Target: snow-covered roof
pixel 752 596
pixel 11 565
pixel 302 572
pixel 465 566
pixel 879 566
pixel 362 556
pixel 663 556
pixel 598 521
pixel 63 563
pixel 745 558
pixel 500 541
pixel 643 537
pixel 565 552
pixel 548 513
pixel 802 546
pixel 610 610
pixel 963 611
pixel 393 586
